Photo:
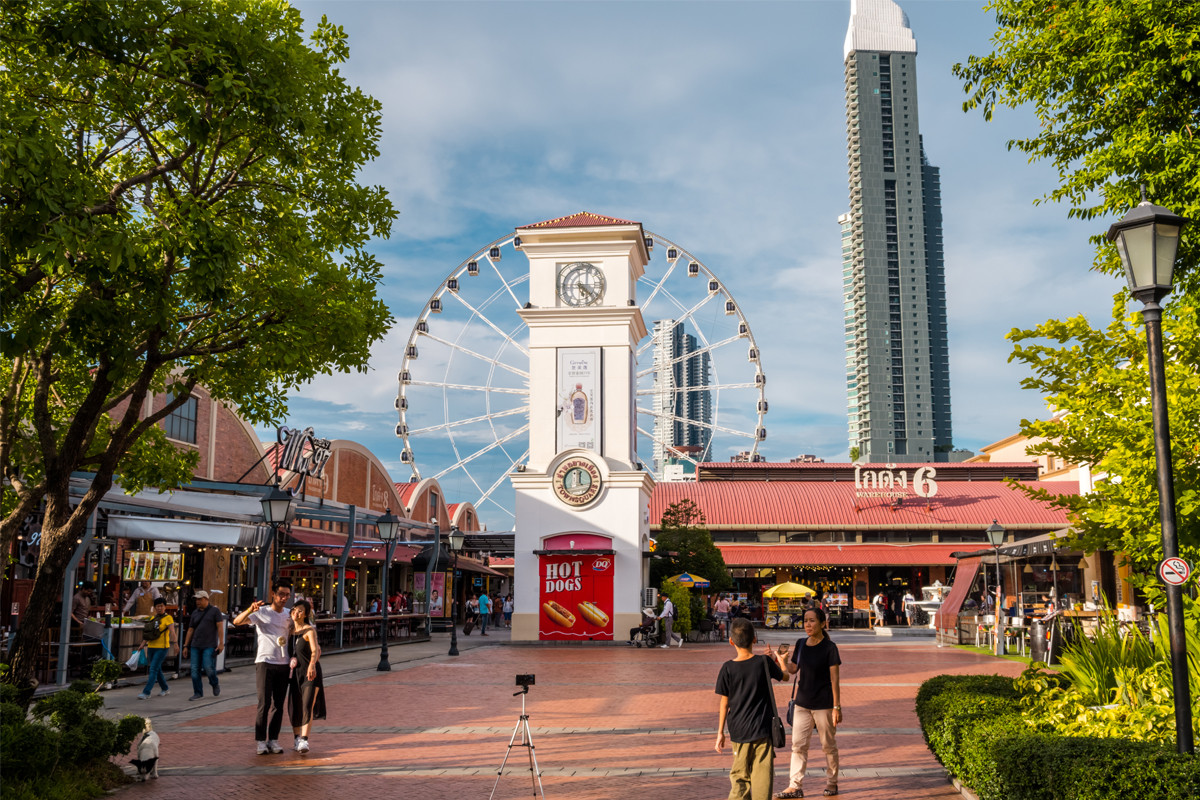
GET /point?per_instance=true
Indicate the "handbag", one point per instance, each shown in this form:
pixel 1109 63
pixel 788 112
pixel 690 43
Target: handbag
pixel 778 734
pixel 791 710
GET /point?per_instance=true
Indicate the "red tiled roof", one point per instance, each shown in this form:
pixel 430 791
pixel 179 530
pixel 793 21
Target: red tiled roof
pixel 584 219
pixel 785 555
pixel 405 491
pixel 820 505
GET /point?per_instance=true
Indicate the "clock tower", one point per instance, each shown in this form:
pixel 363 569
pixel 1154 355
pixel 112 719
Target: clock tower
pixel 582 498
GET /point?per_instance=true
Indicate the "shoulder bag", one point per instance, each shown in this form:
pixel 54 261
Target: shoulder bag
pixel 778 734
pixel 791 710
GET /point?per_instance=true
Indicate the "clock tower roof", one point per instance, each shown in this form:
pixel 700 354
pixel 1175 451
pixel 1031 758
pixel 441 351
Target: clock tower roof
pixel 583 219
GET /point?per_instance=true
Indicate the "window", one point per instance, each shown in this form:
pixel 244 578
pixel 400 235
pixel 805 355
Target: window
pixel 180 424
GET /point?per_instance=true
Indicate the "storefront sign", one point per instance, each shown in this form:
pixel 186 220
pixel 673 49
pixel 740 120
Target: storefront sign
pixel 889 482
pixel 152 566
pixel 579 398
pixel 295 459
pixel 576 597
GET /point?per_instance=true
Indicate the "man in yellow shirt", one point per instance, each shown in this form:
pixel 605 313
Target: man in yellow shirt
pixel 156 651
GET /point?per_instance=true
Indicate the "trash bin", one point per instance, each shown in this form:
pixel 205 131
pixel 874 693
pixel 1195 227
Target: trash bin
pixel 1061 633
pixel 1038 650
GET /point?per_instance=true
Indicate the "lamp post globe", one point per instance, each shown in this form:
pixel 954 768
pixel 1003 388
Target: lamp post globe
pixel 1147 240
pixel 388 527
pixel 276 506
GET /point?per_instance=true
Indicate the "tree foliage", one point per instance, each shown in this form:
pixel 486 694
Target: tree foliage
pixel 685 545
pixel 180 208
pixel 1116 89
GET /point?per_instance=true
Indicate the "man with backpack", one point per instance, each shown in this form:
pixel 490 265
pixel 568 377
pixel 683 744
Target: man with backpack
pixel 668 619
pixel 156 639
pixel 205 639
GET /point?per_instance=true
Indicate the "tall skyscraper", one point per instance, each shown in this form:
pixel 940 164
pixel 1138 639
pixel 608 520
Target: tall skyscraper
pixel 897 357
pixel 680 398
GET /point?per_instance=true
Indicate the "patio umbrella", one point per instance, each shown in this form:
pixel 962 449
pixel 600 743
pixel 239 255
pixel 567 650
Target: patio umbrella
pixel 695 581
pixel 789 589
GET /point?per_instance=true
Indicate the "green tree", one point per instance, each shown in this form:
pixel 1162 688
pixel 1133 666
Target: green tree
pixel 685 545
pixel 1116 90
pixel 180 208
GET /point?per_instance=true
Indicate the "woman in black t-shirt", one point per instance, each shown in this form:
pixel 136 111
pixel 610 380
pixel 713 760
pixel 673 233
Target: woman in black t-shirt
pixel 818 701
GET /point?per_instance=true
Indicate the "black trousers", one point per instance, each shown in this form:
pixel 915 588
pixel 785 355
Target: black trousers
pixel 272 680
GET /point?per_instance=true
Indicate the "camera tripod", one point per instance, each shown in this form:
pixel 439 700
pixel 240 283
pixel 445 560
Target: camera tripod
pixel 522 728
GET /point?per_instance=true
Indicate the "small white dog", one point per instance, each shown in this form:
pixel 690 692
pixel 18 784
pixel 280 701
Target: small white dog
pixel 147 755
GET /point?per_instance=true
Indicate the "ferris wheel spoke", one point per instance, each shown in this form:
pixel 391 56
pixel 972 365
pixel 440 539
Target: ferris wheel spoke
pixel 706 387
pixel 695 423
pixel 658 286
pixel 521 409
pixel 687 316
pixel 469 388
pixel 483 451
pixel 504 281
pixel 468 351
pixel 477 314
pixel 502 479
pixel 708 348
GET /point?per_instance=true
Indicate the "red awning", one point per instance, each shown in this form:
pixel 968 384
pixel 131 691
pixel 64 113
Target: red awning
pixel 468 564
pixel 964 578
pixel 787 555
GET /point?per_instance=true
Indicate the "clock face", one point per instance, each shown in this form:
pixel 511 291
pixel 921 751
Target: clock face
pixel 581 284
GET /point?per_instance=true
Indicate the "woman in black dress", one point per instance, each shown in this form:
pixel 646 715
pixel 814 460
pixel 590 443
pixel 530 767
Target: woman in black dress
pixel 306 694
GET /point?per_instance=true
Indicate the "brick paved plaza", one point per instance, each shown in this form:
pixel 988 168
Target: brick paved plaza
pixel 608 722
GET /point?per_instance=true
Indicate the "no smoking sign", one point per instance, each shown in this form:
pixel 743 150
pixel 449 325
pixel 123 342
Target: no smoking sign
pixel 1174 571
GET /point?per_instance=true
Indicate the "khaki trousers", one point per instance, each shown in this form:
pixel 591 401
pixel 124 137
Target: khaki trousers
pixel 804 719
pixel 753 770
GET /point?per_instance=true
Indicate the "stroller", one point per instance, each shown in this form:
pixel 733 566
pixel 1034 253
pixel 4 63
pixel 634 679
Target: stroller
pixel 646 633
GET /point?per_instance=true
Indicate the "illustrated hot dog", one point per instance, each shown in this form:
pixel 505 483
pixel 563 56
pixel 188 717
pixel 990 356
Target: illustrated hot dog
pixel 558 614
pixel 592 613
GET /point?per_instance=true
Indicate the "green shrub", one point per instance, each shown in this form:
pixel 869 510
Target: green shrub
pixel 974 726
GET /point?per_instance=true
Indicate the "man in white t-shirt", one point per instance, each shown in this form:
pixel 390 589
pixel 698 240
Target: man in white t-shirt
pixel 272 624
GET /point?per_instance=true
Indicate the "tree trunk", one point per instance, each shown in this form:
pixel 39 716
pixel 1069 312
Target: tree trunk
pixel 62 527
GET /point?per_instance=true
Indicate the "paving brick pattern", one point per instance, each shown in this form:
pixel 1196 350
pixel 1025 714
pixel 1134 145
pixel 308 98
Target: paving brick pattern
pixel 607 722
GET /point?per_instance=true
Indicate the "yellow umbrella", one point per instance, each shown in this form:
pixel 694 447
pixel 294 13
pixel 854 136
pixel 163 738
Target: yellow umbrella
pixel 789 589
pixel 694 581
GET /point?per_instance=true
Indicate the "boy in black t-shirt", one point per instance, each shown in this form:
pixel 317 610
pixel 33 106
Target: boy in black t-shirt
pixel 747 699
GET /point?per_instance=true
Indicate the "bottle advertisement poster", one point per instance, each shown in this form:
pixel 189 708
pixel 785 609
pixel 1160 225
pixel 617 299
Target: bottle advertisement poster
pixel 576 597
pixel 579 398
pixel 152 566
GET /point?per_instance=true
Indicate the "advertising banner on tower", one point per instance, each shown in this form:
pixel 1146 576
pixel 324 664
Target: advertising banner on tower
pixel 576 597
pixel 579 398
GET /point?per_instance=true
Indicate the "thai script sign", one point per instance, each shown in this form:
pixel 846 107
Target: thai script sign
pixel 893 483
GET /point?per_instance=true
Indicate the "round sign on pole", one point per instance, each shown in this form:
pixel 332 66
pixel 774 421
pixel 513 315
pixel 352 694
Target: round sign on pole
pixel 1174 571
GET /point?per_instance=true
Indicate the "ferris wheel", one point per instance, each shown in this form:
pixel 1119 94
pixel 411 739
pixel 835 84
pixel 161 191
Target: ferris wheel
pixel 463 397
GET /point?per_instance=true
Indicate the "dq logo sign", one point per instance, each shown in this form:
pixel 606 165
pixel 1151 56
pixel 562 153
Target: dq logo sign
pixel 601 564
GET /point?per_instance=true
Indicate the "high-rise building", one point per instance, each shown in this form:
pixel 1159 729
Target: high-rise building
pixel 897 357
pixel 680 397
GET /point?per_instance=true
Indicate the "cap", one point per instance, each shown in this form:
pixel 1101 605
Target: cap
pixel 201 593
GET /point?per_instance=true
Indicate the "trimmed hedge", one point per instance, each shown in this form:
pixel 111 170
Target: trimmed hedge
pixel 973 725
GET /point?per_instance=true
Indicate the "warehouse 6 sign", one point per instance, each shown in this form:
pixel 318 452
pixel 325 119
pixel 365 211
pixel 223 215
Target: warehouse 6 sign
pixel 889 482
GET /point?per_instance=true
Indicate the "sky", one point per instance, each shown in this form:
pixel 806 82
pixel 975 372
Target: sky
pixel 721 127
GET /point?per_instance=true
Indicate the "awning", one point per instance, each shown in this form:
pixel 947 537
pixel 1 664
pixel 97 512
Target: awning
pixel 787 555
pixel 468 564
pixel 332 544
pixel 223 534
pixel 182 503
pixel 964 579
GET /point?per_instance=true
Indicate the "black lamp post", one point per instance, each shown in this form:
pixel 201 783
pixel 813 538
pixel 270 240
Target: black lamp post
pixel 456 543
pixel 1147 239
pixel 995 535
pixel 276 505
pixel 389 527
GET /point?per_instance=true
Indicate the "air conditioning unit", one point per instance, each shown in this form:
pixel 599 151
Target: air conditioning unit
pixel 649 597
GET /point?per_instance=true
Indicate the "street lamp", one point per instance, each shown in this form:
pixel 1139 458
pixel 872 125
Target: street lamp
pixel 456 543
pixel 389 528
pixel 995 535
pixel 276 505
pixel 1147 239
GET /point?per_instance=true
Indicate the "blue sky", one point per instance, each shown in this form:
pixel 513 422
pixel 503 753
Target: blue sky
pixel 721 127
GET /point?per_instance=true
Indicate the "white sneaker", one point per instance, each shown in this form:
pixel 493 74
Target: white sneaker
pixel 262 749
pixel 164 693
pixel 663 646
pixel 680 642
pixel 301 745
pixel 273 747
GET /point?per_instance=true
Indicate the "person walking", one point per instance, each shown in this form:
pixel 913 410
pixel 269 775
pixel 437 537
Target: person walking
pixel 910 604
pixel 668 620
pixel 204 640
pixel 306 688
pixel 721 613
pixel 818 701
pixel 879 605
pixel 485 611
pixel 156 650
pixel 508 611
pixel 746 708
pixel 272 626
